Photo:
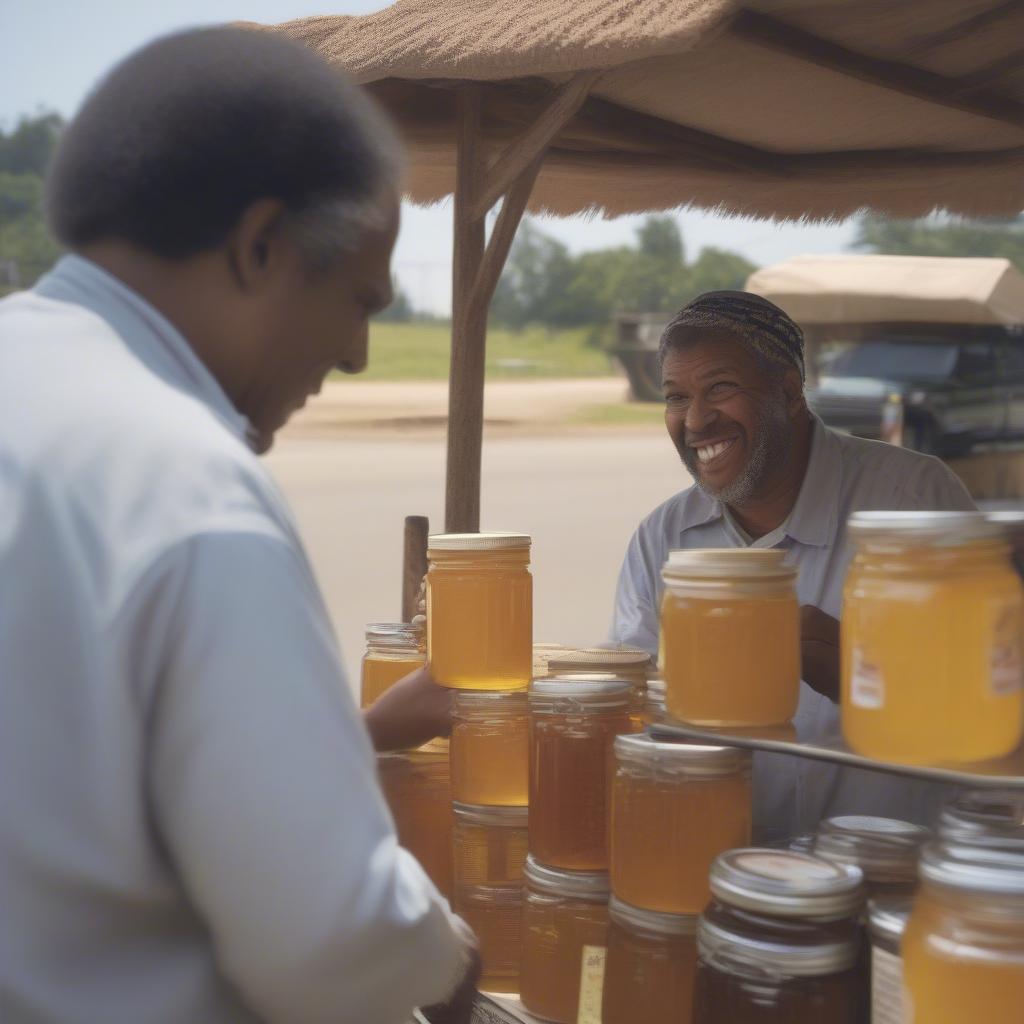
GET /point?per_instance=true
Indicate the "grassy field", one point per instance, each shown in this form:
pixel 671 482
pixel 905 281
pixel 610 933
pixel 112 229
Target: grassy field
pixel 626 414
pixel 420 352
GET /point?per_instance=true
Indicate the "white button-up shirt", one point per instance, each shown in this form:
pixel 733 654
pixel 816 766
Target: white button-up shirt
pixel 844 475
pixel 191 828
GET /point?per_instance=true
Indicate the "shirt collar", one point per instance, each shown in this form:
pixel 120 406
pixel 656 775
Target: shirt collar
pixel 146 332
pixel 813 517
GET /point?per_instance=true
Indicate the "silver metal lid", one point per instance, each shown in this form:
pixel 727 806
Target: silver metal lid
pixel 591 886
pixel 476 541
pixel 657 922
pixel 583 692
pixel 394 634
pixel 656 691
pixel 941 529
pixel 478 814
pixel 727 564
pixel 691 758
pixel 885 849
pixel 721 947
pixel 996 869
pixel 495 700
pixel 1010 521
pixel 990 813
pixel 887 918
pixel 784 883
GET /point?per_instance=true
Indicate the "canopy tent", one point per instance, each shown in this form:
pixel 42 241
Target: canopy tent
pixel 773 108
pixel 846 289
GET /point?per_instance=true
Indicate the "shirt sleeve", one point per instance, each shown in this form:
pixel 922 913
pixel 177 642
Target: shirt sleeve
pixel 934 487
pixel 635 620
pixel 264 793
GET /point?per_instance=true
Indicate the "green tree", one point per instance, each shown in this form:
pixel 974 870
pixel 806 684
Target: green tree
pixel 952 238
pixel 717 269
pixel 661 239
pixel 400 310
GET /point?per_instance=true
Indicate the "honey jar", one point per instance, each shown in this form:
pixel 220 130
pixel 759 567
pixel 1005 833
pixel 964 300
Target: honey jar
pixel 393 651
pixel 730 637
pixel 887 921
pixel 649 966
pixel 565 915
pixel 573 725
pixel 931 639
pixel 622 662
pixel 675 808
pixel 984 816
pixel 490 747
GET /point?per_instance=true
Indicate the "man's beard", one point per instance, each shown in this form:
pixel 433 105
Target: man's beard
pixel 772 444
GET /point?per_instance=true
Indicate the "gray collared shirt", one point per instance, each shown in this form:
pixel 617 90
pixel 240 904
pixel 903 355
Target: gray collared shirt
pixel 844 475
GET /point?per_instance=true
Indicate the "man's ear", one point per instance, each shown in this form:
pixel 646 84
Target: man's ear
pixel 793 389
pixel 255 246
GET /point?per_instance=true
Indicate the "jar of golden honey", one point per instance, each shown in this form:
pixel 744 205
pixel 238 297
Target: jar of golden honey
pixel 963 949
pixel 393 651
pixel 887 921
pixel 649 967
pixel 490 747
pixel 985 816
pixel 489 855
pixel 480 610
pixel 931 639
pixel 780 942
pixel 573 724
pixel 886 851
pixel 659 859
pixel 565 919
pixel 417 787
pixel 730 637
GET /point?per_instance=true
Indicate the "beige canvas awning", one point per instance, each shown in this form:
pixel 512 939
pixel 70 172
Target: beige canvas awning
pixel 772 108
pixel 847 289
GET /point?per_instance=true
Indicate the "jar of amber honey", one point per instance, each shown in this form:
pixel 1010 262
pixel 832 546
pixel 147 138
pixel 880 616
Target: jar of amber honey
pixel 886 851
pixel 490 747
pixel 730 637
pixel 780 942
pixel 417 787
pixel 393 650
pixel 489 854
pixel 660 857
pixel 963 948
pixel 931 639
pixel 649 967
pixel 573 724
pixel 565 917
pixel 984 816
pixel 480 610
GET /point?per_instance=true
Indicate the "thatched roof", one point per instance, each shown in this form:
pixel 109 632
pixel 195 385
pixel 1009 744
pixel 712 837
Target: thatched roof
pixel 775 108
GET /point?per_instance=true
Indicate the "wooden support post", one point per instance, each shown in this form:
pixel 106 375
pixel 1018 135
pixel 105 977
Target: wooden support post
pixel 414 564
pixel 466 374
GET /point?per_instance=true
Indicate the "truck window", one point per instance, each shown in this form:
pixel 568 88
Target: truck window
pixel 895 360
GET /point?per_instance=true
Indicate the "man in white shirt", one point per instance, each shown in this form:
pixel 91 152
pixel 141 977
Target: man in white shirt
pixel 190 824
pixel 770 474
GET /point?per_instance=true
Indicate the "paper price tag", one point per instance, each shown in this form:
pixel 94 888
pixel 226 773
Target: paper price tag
pixel 591 985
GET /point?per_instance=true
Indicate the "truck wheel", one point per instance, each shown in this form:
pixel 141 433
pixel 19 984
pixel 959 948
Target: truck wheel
pixel 644 373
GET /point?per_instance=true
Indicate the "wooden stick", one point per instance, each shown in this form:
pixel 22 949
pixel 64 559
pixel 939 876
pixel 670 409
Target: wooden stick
pixel 941 90
pixel 520 154
pixel 469 335
pixel 414 563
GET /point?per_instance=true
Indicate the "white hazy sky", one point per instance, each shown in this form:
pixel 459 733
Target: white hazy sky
pixel 52 51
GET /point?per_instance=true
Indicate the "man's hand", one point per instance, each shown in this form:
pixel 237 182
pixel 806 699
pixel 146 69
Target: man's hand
pixel 410 713
pixel 458 1009
pixel 819 651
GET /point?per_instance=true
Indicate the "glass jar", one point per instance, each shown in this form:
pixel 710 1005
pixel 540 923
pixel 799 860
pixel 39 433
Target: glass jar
pixel 930 639
pixel 542 655
pixel 489 853
pixel 1011 524
pixel 653 711
pixel 622 662
pixel 659 860
pixel 565 914
pixel 886 850
pixel 649 967
pixel 573 725
pixel 780 943
pixel 417 787
pixel 887 920
pixel 490 748
pixel 393 650
pixel 480 610
pixel 986 816
pixel 963 949
pixel 730 637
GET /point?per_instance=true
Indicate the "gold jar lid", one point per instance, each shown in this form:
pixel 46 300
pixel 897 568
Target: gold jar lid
pixel 657 922
pixel 477 541
pixel 688 758
pixel 723 564
pixel 591 886
pixel 580 693
pixel 934 529
pixel 479 814
pixel 598 659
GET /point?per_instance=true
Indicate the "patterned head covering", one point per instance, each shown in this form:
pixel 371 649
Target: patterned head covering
pixel 748 318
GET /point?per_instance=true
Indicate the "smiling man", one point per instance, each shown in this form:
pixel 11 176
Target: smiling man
pixel 192 829
pixel 768 473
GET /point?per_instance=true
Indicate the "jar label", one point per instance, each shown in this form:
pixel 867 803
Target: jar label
pixel 591 985
pixel 1006 660
pixel 867 687
pixel 886 987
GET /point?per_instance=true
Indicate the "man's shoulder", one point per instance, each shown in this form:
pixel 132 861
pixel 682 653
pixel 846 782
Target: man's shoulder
pixel 687 508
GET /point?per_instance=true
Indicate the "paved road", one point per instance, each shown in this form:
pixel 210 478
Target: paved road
pixel 579 496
